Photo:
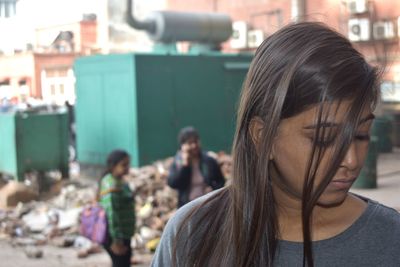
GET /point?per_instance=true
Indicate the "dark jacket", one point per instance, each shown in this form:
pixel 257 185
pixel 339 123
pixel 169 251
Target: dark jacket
pixel 180 176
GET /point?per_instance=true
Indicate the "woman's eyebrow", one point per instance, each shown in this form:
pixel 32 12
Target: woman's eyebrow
pixel 334 124
pixel 367 118
pixel 322 125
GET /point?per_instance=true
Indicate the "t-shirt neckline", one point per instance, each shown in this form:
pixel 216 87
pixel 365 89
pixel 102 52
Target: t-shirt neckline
pixel 357 226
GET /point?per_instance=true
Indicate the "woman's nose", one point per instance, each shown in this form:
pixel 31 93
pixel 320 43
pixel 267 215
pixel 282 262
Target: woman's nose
pixel 351 160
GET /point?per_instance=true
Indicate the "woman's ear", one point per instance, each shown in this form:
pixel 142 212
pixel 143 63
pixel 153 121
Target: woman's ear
pixel 256 129
pixel 271 155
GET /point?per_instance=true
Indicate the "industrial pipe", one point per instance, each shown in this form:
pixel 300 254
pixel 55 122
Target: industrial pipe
pixel 170 26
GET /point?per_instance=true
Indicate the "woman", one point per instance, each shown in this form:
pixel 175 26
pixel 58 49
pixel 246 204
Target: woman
pixel 302 135
pixel 117 200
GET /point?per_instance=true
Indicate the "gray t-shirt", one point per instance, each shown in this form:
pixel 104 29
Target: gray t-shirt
pixel 372 240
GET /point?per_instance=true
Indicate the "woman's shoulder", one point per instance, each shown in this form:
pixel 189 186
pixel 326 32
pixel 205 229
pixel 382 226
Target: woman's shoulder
pixel 384 215
pixel 381 221
pixel 188 208
pixel 376 208
pixel 163 254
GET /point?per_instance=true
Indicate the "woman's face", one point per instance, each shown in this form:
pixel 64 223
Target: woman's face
pixel 292 148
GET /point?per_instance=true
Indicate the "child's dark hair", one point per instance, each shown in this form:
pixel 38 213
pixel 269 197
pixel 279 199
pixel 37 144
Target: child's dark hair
pixel 115 157
pixel 186 133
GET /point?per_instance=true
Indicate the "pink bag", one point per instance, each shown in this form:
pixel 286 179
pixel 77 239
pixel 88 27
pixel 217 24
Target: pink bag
pixel 93 224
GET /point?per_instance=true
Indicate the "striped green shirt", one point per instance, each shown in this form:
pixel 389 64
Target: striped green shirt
pixel 118 202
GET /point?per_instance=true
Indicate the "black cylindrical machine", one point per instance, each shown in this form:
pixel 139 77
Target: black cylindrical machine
pixel 170 26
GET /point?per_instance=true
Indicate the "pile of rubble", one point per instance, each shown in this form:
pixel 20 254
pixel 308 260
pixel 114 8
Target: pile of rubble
pixel 34 220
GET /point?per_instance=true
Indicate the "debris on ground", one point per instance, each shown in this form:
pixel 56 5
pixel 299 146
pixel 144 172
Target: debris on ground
pixel 14 192
pixel 30 217
pixel 33 252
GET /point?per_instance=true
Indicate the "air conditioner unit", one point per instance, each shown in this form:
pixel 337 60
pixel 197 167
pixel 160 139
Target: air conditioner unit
pixel 357 6
pixel 255 38
pixel 383 30
pixel 239 35
pixel 359 30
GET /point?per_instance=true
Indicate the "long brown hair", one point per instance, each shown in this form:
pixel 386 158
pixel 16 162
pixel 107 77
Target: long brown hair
pixel 299 66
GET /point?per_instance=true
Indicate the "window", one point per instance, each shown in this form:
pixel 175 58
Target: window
pixel 7 8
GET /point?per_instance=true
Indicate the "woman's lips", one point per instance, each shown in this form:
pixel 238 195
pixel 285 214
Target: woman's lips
pixel 342 184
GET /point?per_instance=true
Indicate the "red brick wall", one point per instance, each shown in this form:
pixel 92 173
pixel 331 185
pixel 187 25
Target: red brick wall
pixel 331 12
pixel 16 68
pixel 29 65
pixel 43 61
pixel 88 36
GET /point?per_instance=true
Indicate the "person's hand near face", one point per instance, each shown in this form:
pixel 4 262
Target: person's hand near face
pixel 186 155
pixel 189 151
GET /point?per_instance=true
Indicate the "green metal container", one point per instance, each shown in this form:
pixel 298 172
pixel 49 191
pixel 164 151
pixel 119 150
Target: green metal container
pixel 382 128
pixel 33 142
pixel 368 174
pixel 139 102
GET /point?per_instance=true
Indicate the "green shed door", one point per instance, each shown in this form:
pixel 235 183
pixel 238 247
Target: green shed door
pixel 155 105
pixel 206 97
pixel 90 143
pixel 120 114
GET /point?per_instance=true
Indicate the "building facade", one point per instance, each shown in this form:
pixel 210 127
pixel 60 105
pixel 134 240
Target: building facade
pixel 372 25
pixel 37 61
pixel 46 70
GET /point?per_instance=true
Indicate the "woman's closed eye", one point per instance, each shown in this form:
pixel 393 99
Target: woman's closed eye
pixel 362 137
pixel 325 142
pixel 328 141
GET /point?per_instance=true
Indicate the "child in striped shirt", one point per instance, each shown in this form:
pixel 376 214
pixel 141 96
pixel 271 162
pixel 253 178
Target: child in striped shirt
pixel 117 200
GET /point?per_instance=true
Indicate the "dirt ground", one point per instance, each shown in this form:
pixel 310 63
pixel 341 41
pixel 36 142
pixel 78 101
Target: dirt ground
pixel 54 257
